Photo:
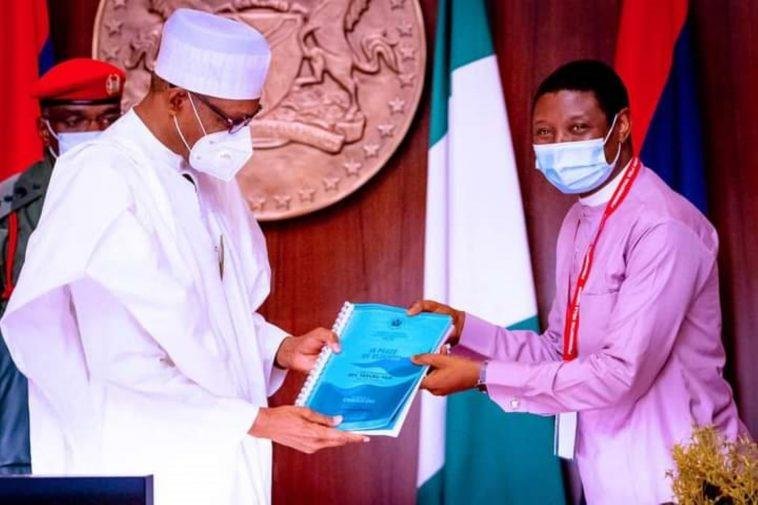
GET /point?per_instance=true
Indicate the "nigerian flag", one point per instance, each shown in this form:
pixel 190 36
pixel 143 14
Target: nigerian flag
pixel 477 259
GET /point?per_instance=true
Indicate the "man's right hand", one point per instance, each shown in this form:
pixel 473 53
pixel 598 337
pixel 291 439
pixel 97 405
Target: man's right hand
pixel 459 317
pixel 301 428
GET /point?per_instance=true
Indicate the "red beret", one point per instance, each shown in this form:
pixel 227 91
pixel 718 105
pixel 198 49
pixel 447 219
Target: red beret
pixel 80 79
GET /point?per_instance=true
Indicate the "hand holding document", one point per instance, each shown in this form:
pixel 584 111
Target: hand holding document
pixel 371 383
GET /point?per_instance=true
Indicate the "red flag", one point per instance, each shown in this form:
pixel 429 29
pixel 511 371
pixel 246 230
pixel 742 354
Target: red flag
pixel 24 34
pixel 644 52
pixel 657 58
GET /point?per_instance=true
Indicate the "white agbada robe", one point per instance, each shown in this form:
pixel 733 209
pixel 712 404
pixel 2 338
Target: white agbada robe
pixel 141 358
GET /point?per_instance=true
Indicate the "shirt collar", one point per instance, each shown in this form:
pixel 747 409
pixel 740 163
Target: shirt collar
pixel 604 194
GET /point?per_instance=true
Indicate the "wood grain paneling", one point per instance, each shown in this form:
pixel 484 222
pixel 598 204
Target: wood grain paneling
pixel 727 40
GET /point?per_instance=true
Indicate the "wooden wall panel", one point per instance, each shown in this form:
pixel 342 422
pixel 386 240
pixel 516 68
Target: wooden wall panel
pixel 370 246
pixel 727 39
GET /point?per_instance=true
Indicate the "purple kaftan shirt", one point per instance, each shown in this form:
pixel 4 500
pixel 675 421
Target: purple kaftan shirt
pixel 650 353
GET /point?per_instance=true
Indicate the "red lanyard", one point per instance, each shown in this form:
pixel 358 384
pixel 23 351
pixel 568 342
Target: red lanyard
pixel 571 328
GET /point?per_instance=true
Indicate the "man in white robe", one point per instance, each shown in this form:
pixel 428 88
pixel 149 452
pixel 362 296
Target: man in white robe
pixel 134 317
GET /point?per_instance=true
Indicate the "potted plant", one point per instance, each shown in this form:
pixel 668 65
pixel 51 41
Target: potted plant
pixel 711 470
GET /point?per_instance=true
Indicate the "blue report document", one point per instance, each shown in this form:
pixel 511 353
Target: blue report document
pixel 372 382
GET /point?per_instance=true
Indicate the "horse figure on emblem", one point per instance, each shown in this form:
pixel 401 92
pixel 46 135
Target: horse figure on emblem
pixel 325 44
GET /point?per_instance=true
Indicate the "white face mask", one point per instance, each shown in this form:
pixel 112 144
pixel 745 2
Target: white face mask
pixel 69 140
pixel 221 154
pixel 576 167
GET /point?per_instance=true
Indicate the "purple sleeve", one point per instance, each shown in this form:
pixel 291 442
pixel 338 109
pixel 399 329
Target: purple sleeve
pixel 481 340
pixel 665 269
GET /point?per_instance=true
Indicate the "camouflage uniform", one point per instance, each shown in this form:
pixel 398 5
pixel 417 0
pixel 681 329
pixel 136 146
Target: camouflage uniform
pixel 21 199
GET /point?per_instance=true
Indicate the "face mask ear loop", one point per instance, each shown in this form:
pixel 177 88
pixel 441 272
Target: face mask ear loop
pixel 55 136
pixel 181 135
pixel 618 155
pixel 610 130
pixel 197 116
pixel 50 129
pixel 608 135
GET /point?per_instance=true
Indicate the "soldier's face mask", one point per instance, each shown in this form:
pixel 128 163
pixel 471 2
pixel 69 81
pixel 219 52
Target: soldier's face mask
pixel 68 140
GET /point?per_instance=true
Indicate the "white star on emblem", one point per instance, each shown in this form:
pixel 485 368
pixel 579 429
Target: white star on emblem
pixel 352 167
pixel 371 150
pixel 407 53
pixel 405 29
pixel 307 194
pixel 397 105
pixel 331 183
pixel 386 130
pixel 257 203
pixel 283 201
pixel 406 79
pixel 111 53
pixel 113 27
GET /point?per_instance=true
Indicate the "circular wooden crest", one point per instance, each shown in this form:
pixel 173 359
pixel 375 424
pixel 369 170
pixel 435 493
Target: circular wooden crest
pixel 345 81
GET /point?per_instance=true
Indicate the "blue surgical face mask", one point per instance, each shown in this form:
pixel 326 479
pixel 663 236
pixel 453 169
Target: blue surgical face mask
pixel 576 167
pixel 69 140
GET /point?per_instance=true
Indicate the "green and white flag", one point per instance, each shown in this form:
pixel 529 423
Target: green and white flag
pixel 477 259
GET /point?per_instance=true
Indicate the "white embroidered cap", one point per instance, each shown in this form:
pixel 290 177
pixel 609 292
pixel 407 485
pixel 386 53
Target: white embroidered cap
pixel 213 55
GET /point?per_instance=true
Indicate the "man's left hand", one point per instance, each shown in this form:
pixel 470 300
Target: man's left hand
pixel 300 353
pixel 449 374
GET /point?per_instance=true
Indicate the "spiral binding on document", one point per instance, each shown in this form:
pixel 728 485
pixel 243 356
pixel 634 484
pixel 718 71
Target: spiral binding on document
pixel 339 326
